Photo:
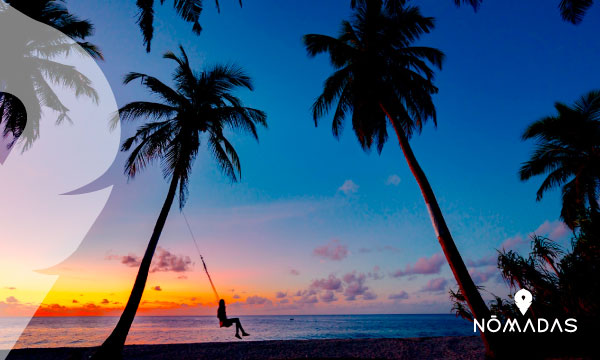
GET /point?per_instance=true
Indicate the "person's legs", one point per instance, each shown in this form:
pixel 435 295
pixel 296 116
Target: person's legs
pixel 238 324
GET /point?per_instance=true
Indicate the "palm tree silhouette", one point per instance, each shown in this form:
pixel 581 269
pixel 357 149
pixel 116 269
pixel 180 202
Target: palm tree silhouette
pixel 188 10
pixel 56 14
pixel 572 11
pixel 568 151
pixel 200 107
pixel 38 61
pixel 381 78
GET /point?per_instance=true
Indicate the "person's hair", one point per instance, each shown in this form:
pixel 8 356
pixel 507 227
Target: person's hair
pixel 221 303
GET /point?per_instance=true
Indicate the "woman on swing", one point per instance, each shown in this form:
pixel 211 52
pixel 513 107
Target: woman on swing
pixel 225 322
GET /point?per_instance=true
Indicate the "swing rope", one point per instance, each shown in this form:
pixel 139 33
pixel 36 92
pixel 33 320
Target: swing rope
pixel 201 257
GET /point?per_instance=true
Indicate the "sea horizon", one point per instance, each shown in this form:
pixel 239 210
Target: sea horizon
pixel 89 331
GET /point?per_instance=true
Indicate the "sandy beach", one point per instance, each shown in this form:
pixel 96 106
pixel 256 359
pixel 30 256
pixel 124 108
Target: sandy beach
pixel 412 348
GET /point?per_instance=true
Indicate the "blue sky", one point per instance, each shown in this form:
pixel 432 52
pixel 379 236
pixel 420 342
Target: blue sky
pixel 505 67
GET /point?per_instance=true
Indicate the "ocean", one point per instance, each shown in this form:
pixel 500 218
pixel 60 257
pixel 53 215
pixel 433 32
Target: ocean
pixel 91 331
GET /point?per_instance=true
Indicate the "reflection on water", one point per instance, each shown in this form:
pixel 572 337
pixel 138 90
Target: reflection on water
pixel 91 331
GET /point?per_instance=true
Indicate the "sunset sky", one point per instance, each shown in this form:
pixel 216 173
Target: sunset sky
pixel 317 226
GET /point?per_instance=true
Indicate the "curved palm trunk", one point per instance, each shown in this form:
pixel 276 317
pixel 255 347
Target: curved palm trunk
pixel 474 300
pixel 112 347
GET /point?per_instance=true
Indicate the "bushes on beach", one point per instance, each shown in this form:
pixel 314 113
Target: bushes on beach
pixel 564 284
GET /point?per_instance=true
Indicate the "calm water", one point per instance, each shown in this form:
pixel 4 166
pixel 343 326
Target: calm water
pixel 91 331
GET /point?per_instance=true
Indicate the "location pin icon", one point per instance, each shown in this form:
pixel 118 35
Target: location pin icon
pixel 523 299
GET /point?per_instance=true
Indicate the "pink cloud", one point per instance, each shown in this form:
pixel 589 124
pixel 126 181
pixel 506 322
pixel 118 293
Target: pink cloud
pixel 328 296
pixel 434 285
pixel 332 251
pixel 330 283
pixel 355 285
pixel 311 299
pixel 162 261
pixel 424 266
pixel 481 276
pixel 369 295
pixel 484 261
pixel 12 299
pixel 554 230
pixel 513 242
pixel 402 295
pixel 166 261
pixel 348 187
pixel 157 288
pixel 280 295
pixel 294 272
pixel 257 300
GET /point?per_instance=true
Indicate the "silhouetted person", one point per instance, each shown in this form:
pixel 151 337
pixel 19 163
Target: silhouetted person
pixel 225 322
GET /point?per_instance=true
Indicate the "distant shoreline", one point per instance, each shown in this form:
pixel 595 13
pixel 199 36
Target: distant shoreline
pixel 447 347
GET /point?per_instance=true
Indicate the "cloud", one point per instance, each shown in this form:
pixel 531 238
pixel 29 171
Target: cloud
pixel 12 300
pixel 257 300
pixel 157 288
pixel 10 288
pixel 328 296
pixel 513 242
pixel 393 180
pixel 355 285
pixel 369 295
pixel 484 261
pixel 104 301
pixel 332 251
pixel 75 302
pixel 348 187
pixel 423 266
pixel 284 301
pixel 164 261
pixel 435 285
pixel 236 296
pixel 332 283
pixel 554 230
pixel 402 295
pixel 309 299
pixel 280 295
pixel 294 272
pixel 376 274
pixel 182 277
pixel 481 276
pixel 127 260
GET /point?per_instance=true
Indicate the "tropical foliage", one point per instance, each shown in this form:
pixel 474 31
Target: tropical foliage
pixel 36 58
pixel 197 111
pixel 188 10
pixel 572 11
pixel 564 284
pixel 56 14
pixel 567 151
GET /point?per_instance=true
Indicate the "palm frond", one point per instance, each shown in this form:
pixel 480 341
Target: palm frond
pixel 573 11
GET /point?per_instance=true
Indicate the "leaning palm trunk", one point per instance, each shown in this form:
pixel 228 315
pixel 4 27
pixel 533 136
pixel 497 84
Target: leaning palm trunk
pixel 112 347
pixel 477 305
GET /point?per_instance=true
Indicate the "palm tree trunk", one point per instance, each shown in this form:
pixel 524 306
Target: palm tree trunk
pixel 112 347
pixel 474 300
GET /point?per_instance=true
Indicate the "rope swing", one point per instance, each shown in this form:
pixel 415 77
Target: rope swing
pixel 217 298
